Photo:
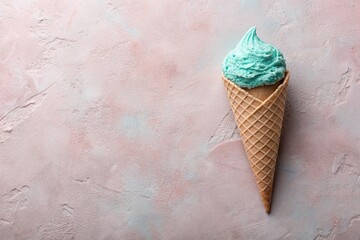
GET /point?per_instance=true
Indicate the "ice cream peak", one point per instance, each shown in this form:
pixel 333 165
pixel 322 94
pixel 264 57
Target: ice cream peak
pixel 254 63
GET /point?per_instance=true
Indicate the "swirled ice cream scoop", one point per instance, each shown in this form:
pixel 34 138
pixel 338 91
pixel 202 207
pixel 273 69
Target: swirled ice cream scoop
pixel 254 63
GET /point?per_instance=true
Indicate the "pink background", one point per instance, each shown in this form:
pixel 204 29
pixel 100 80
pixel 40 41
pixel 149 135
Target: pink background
pixel 114 122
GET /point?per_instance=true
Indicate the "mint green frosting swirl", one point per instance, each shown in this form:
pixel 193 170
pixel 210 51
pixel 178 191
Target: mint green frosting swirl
pixel 254 63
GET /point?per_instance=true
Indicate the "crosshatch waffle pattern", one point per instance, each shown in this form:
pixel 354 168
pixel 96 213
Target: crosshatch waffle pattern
pixel 260 124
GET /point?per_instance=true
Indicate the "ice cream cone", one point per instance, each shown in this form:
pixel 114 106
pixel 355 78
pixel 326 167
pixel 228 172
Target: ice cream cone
pixel 259 116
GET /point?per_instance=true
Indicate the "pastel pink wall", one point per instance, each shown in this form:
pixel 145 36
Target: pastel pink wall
pixel 114 122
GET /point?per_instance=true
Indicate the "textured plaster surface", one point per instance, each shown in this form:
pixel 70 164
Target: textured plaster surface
pixel 114 122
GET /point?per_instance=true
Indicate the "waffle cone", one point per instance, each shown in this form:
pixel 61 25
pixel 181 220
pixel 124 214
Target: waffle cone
pixel 259 120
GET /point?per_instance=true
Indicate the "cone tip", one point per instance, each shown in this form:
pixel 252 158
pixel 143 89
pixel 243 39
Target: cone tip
pixel 266 199
pixel 267 209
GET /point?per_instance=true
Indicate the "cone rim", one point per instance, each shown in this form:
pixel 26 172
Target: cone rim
pixel 282 85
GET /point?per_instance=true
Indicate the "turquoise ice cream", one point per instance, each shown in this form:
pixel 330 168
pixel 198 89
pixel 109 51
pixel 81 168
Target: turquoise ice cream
pixel 254 63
